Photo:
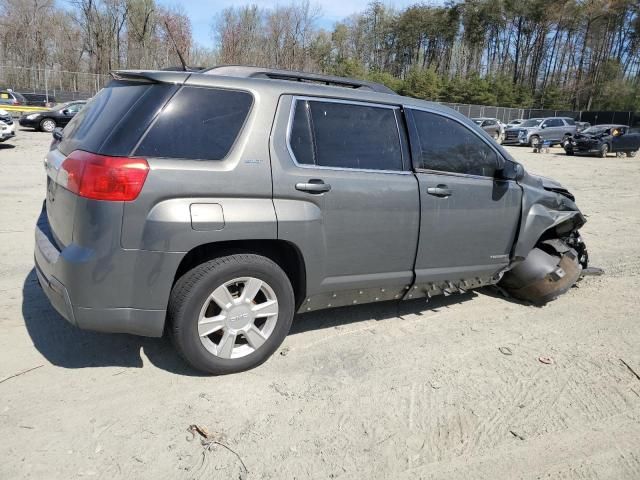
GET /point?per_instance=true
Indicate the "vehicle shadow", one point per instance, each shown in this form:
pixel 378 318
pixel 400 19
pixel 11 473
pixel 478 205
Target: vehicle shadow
pixel 6 146
pixel 66 346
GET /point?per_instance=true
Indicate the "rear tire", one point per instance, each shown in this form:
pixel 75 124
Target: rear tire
pixel 195 308
pixel 47 125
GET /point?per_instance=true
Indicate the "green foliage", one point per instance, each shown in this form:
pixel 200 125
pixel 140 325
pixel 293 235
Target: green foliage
pixel 348 68
pixel 425 84
pixel 386 79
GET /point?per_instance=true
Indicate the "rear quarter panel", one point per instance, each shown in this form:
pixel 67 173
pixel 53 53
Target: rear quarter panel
pixel 160 218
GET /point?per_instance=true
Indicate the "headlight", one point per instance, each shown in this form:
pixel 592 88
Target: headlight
pixel 33 116
pixel 522 133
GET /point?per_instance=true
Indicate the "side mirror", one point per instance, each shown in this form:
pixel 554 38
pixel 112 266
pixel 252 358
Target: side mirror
pixel 543 126
pixel 57 134
pixel 65 111
pixel 511 171
pixel 519 171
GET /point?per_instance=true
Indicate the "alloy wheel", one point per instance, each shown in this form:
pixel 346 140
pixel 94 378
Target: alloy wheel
pixel 48 125
pixel 238 317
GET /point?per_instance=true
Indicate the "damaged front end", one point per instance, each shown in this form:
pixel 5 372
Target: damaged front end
pixel 549 254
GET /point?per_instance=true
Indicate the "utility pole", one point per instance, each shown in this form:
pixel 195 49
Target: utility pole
pixel 46 87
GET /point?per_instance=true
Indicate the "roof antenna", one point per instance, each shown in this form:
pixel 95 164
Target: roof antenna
pixel 175 45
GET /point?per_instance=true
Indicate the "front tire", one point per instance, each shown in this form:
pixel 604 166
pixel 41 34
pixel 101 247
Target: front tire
pixel 534 141
pixel 230 314
pixel 604 150
pixel 47 125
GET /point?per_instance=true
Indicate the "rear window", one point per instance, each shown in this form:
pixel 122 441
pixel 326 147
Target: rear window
pixel 93 124
pixel 198 123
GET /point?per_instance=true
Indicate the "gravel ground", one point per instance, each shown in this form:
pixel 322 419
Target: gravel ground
pixel 393 391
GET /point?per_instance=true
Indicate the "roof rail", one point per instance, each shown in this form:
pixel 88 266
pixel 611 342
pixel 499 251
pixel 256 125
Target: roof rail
pixel 273 74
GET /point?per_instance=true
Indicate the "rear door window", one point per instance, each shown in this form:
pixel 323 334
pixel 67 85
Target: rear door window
pixel 198 123
pixel 346 135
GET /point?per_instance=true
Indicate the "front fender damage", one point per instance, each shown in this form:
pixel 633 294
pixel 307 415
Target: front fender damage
pixel 549 254
pixel 543 276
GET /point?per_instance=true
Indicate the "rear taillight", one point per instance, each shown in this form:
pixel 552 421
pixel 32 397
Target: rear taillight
pixel 100 177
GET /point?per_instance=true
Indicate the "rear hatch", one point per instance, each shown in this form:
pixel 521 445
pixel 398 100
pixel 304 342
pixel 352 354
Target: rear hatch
pixel 109 125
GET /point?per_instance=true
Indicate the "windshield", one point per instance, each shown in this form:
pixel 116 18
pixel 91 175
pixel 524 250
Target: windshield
pixel 534 122
pixel 595 130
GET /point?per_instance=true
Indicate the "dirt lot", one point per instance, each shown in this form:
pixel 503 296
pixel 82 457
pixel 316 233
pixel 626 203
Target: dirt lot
pixel 410 391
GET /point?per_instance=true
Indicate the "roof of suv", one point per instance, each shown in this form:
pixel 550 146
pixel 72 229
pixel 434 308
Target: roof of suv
pixel 284 82
pixel 290 75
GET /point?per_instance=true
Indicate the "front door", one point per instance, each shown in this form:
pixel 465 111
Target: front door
pixel 469 218
pixel 344 194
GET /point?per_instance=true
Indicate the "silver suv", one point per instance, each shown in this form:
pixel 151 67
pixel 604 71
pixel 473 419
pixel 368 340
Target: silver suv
pixel 215 205
pixel 535 131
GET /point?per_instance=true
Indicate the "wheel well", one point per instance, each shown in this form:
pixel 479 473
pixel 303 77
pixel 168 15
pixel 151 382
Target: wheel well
pixel 284 253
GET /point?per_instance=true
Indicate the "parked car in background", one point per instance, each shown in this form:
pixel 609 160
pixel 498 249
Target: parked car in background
pixel 514 123
pixel 9 97
pixel 601 140
pixel 580 126
pixel 535 131
pixel 492 126
pixel 48 120
pixel 39 100
pixel 7 126
pixel 232 198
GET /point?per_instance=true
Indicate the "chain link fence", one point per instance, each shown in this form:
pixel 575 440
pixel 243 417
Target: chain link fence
pixel 506 114
pixel 64 86
pixel 59 84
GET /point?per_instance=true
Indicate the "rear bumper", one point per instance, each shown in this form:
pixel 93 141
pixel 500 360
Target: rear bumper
pixel 68 279
pixel 7 131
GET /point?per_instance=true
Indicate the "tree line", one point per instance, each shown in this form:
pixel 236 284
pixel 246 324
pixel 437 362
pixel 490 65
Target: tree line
pixel 558 54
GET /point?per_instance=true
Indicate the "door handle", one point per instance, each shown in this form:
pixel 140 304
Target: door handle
pixel 313 186
pixel 440 191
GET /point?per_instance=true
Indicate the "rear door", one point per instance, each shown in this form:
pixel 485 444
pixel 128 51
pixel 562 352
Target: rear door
pixel 344 194
pixel 469 216
pixel 552 129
